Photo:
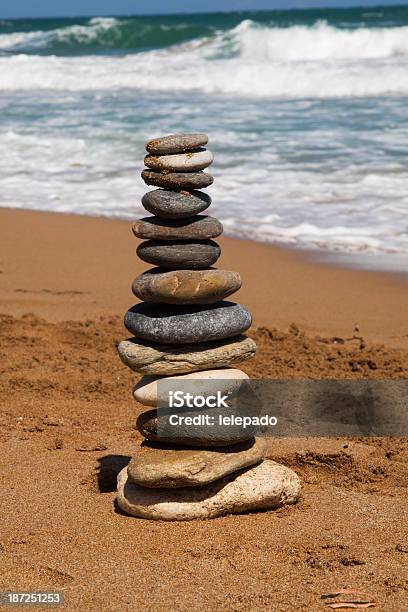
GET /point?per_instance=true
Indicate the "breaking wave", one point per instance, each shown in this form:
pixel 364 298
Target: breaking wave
pixel 100 34
pixel 249 40
pixel 316 61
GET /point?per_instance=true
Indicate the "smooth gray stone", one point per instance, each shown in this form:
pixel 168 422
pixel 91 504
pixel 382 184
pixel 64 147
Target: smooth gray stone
pixel 185 255
pixel 154 425
pixel 178 180
pixel 200 227
pixel 176 143
pixel 187 324
pixel 175 204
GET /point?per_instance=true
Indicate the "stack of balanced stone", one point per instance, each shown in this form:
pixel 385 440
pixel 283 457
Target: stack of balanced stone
pixel 184 329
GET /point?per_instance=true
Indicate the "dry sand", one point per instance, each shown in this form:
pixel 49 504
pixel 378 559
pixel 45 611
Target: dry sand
pixel 68 416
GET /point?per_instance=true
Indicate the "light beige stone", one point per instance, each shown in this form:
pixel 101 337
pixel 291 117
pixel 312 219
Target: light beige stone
pixel 266 486
pixel 158 465
pixel 168 359
pixel 229 381
pixel 181 162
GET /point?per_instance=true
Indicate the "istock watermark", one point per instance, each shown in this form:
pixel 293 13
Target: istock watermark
pixel 179 399
pixel 203 409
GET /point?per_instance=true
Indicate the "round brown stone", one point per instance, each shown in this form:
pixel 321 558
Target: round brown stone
pixel 176 143
pixel 185 286
pixel 199 227
pixel 158 465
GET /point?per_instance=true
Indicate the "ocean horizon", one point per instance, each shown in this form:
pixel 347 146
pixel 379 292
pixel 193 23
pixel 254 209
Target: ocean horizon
pixel 306 111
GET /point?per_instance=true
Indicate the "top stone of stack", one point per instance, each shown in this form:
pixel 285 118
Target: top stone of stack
pixel 176 143
pixel 176 162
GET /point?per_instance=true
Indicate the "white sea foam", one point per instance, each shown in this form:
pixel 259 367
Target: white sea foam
pixel 316 43
pixel 295 188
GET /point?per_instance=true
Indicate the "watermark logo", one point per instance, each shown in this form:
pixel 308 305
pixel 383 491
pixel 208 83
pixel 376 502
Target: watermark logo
pixel 204 409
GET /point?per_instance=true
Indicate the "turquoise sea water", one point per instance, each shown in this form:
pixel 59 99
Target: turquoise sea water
pixel 307 113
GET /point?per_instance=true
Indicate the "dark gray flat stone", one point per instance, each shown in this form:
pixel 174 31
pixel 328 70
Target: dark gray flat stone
pixel 194 255
pixel 187 324
pixel 177 180
pixel 176 143
pixel 174 204
pixel 199 227
pixel 155 426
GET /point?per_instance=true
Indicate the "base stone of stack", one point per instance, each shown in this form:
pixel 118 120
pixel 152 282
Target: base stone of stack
pixel 266 486
pixel 161 466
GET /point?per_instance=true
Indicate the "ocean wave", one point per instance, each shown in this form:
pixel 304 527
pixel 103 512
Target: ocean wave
pixel 316 61
pixel 318 42
pixel 42 39
pixel 101 34
pixel 249 40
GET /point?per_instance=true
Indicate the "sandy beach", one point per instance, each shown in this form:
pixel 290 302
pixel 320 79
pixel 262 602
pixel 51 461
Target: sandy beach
pixel 67 419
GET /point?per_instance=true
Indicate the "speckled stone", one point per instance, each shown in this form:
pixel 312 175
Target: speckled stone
pixel 193 161
pixel 154 426
pixel 175 204
pixel 158 285
pixel 187 324
pixel 194 255
pixel 166 360
pixel 177 180
pixel 266 486
pixel 176 143
pixel 200 227
pixel 149 392
pixel 158 465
